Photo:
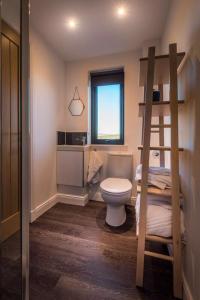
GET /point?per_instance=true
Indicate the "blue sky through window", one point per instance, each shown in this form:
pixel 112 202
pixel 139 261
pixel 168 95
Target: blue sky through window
pixel 108 111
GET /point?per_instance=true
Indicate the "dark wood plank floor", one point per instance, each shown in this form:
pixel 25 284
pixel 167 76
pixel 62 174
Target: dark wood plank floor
pixel 75 255
pixel 10 268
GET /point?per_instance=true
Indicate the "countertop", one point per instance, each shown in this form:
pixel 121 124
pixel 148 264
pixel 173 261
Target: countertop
pixel 81 148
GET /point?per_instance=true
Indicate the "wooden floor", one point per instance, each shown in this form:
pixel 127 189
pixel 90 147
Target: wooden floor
pixel 10 268
pixel 75 255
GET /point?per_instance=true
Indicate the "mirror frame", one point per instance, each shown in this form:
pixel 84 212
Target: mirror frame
pixel 70 107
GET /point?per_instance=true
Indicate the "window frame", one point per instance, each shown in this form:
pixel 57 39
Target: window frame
pixel 100 79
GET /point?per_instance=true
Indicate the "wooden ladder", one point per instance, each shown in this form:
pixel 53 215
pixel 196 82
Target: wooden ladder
pixel 159 70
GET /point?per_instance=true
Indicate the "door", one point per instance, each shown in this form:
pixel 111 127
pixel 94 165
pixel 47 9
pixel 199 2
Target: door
pixel 10 125
pixel 14 133
pixel 11 237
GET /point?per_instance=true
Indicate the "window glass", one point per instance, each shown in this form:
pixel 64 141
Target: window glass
pixel 107 107
pixel 108 98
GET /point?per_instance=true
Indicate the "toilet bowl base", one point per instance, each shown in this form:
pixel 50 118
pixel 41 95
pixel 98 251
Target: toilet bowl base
pixel 115 215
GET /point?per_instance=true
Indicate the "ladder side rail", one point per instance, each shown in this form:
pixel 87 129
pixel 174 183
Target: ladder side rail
pixel 145 167
pixel 142 137
pixel 162 130
pixel 176 230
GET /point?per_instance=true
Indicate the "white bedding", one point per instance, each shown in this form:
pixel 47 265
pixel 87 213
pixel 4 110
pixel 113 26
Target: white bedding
pixel 159 217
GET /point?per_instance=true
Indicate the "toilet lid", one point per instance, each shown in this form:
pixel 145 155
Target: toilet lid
pixel 116 185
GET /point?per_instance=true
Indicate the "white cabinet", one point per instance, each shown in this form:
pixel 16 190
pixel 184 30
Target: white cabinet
pixel 72 165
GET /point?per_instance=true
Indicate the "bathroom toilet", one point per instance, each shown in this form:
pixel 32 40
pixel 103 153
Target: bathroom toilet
pixel 116 190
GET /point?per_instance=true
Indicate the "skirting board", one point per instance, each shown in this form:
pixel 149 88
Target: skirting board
pixel 72 199
pixel 58 198
pixel 42 208
pixel 186 289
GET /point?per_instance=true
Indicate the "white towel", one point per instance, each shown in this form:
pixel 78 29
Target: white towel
pixel 159 171
pixel 95 165
pixel 159 177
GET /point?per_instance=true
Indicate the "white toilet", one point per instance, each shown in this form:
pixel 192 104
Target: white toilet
pixel 116 190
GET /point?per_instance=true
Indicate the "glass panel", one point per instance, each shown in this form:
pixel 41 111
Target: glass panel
pixel 11 252
pixel 108 126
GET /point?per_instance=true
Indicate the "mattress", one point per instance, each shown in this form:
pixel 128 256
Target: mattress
pixel 159 217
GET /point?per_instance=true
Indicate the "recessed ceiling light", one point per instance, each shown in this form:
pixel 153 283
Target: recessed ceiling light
pixel 72 23
pixel 121 11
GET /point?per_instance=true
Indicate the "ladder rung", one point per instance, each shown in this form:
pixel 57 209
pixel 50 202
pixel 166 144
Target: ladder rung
pixel 160 125
pixel 154 238
pixel 160 148
pixel 158 255
pixel 155 131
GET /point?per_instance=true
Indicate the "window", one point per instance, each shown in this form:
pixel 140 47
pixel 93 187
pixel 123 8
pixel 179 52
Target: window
pixel 107 107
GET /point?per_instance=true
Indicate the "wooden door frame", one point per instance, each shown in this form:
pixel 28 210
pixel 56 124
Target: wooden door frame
pixel 1 238
pixel 25 117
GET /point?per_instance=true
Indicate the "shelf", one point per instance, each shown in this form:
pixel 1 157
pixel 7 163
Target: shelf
pixel 160 148
pixel 158 108
pixel 156 191
pixel 161 75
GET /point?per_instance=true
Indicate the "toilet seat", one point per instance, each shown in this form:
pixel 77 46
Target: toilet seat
pixel 117 186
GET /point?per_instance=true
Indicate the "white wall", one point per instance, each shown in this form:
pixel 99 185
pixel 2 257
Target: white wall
pixel 78 75
pixel 47 86
pixel 183 27
pixel 182 24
